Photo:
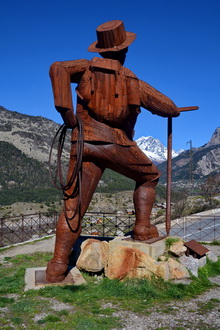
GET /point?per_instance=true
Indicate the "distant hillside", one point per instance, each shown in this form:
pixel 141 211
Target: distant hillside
pixel 23 179
pixel 204 161
pixel 25 142
pixel 33 136
pixel 30 134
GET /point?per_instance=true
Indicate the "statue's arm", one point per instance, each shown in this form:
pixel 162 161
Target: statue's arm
pixel 61 75
pixel 156 102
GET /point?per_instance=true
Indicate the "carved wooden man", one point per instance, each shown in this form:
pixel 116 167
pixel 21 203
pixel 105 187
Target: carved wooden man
pixel 109 97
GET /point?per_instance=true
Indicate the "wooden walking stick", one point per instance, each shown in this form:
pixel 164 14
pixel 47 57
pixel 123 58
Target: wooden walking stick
pixel 169 167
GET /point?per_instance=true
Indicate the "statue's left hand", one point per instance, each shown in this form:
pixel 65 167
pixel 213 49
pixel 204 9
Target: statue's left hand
pixel 68 117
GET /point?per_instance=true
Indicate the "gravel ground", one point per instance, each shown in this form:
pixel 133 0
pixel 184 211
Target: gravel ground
pixel 202 312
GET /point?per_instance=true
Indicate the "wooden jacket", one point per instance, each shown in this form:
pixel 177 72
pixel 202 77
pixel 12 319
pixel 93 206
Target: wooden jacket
pixel 109 98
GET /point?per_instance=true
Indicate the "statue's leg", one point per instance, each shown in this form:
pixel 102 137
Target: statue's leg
pixel 133 163
pixel 144 198
pixel 65 237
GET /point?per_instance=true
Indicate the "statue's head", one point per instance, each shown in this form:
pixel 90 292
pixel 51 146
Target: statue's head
pixel 119 55
pixel 112 37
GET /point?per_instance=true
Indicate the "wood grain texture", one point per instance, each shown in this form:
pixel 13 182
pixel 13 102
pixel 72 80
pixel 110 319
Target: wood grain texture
pixel 109 97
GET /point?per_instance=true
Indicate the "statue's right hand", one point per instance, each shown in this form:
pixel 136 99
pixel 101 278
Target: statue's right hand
pixel 176 113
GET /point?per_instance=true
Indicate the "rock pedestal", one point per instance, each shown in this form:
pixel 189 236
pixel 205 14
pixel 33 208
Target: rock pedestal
pixel 124 258
pixel 130 259
pixel 153 250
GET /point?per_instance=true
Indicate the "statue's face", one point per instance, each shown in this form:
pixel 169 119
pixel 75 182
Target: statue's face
pixel 119 56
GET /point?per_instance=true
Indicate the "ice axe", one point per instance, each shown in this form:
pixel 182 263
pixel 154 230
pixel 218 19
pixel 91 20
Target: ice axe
pixel 169 167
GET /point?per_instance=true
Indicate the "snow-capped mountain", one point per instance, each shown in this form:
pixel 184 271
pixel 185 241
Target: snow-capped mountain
pixel 154 149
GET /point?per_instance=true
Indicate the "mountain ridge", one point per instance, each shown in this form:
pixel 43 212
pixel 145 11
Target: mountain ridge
pixel 154 149
pixel 196 163
pixel 33 135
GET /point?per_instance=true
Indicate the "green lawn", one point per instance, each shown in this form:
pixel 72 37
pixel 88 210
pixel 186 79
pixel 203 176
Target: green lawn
pixel 89 306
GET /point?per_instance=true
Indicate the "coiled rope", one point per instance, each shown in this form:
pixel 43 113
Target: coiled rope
pixel 75 180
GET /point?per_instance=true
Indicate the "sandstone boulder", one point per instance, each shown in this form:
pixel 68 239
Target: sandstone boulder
pixel 125 262
pixel 178 249
pixel 93 256
pixel 176 270
pixel 121 261
pixel 163 270
pixel 162 258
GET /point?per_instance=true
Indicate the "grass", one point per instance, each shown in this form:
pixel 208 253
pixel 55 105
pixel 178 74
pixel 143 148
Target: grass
pixel 209 305
pixel 215 243
pixel 90 306
pixel 170 241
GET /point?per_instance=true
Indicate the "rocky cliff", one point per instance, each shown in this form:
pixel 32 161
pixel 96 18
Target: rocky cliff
pixel 197 162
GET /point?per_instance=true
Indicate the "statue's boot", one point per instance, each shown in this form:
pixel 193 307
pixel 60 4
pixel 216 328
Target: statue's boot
pixel 144 198
pixel 57 267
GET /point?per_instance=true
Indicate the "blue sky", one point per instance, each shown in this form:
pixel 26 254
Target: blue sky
pixel 177 51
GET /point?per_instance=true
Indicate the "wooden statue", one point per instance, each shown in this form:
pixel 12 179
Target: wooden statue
pixel 109 97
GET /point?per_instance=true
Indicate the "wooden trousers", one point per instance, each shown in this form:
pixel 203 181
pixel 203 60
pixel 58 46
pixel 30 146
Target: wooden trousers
pixel 127 160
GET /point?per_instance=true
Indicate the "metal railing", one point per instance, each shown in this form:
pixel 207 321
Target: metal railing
pixel 107 224
pixel 25 227
pixel 200 227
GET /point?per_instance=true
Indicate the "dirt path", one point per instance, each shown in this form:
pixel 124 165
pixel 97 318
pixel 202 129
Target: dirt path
pixel 43 245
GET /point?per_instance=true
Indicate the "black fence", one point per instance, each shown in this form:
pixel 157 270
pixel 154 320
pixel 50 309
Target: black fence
pixel 25 227
pixel 107 224
pixel 204 227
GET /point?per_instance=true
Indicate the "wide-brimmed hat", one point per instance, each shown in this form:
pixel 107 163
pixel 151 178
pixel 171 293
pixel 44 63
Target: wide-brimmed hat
pixel 112 37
